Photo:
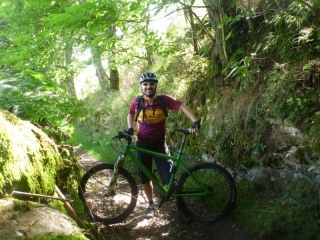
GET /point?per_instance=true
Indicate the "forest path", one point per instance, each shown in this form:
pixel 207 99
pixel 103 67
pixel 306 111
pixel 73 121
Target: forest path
pixel 167 223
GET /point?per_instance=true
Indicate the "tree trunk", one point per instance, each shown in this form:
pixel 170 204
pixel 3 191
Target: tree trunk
pixel 114 78
pixel 216 13
pixel 70 73
pixel 96 58
pixel 114 74
pixel 193 31
pixel 149 48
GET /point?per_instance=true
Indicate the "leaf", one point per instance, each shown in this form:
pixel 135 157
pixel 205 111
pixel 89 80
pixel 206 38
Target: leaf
pixel 133 6
pixel 258 47
pixel 232 72
pixel 97 40
pixel 243 71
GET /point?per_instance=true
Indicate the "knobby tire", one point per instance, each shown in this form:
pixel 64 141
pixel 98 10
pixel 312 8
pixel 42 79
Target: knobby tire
pixel 222 192
pixel 98 206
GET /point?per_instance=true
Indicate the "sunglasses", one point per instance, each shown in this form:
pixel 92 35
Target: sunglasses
pixel 151 84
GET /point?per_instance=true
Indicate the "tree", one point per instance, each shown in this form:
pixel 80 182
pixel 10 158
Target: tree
pixel 114 74
pixel 31 45
pixel 69 79
pixel 44 36
pixel 97 62
pixel 217 18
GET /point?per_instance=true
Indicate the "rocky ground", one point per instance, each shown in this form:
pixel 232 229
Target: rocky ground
pixel 167 223
pixel 32 219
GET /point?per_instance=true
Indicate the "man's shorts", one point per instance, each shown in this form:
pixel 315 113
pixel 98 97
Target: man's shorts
pixel 163 165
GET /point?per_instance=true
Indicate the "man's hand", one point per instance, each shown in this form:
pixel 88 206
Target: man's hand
pixel 195 127
pixel 129 131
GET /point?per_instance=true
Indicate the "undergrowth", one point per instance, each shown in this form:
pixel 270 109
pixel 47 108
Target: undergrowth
pixel 293 213
pixel 268 80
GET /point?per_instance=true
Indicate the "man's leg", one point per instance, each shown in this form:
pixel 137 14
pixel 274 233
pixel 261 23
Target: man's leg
pixel 145 181
pixel 163 167
pixel 148 189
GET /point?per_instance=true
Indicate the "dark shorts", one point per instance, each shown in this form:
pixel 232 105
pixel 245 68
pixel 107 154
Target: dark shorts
pixel 163 165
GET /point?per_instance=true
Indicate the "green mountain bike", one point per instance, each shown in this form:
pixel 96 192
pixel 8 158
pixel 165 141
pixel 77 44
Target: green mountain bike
pixel 205 192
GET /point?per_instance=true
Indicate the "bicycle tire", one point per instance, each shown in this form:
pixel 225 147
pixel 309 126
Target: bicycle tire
pixel 214 206
pixel 98 206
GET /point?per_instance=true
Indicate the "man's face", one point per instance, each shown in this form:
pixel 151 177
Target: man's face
pixel 148 88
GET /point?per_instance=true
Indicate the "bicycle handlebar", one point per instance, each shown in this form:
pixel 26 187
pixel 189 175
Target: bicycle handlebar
pixel 126 136
pixel 123 135
pixel 184 131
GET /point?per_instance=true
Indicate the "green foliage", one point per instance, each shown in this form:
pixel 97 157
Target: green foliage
pixel 270 214
pixel 86 15
pixel 259 82
pixel 52 236
pixel 294 33
pixel 102 121
pixel 37 99
pixel 294 109
pixel 29 45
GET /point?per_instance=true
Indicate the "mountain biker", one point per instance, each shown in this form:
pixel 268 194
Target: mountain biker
pixel 150 132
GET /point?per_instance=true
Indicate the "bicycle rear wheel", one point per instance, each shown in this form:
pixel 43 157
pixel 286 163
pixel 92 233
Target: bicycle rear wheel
pixel 222 192
pixel 107 209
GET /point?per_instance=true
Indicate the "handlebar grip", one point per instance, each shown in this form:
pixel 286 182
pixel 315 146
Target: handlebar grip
pixel 120 135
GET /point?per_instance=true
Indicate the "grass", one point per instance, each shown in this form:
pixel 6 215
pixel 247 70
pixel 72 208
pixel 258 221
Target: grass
pixel 289 214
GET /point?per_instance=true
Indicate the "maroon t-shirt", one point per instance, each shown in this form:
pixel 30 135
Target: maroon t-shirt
pixel 151 122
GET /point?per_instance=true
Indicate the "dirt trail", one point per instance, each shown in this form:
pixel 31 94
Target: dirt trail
pixel 167 223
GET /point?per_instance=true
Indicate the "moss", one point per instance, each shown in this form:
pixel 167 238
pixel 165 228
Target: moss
pixel 61 237
pixel 10 117
pixel 52 236
pixel 29 159
pixel 56 204
pixel 23 206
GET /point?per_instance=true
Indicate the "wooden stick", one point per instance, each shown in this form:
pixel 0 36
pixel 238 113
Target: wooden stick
pixel 73 214
pixel 40 195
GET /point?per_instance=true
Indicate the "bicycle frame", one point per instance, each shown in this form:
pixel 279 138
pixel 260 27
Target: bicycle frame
pixel 129 151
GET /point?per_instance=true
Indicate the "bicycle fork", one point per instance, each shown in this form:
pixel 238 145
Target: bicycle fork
pixel 114 176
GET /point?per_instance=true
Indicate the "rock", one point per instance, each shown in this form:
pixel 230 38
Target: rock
pixel 207 158
pixel 30 219
pixel 317 178
pixel 29 160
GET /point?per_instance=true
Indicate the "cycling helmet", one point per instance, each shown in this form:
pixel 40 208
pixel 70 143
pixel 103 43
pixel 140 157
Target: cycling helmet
pixel 148 76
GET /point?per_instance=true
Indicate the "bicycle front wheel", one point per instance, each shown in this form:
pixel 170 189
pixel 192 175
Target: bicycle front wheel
pixel 220 188
pixel 100 207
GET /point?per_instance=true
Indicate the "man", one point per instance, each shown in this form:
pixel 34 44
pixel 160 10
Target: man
pixel 151 129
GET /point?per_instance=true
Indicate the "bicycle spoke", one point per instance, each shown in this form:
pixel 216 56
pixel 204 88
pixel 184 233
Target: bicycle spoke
pixel 220 190
pixel 113 208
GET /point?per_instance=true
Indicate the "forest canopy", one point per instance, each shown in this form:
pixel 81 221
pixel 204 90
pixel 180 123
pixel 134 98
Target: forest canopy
pixel 46 45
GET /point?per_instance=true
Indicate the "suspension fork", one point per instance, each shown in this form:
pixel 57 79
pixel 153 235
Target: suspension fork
pixel 114 176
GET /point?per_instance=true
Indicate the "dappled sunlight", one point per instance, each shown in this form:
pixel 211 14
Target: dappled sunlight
pixel 86 82
pixel 143 223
